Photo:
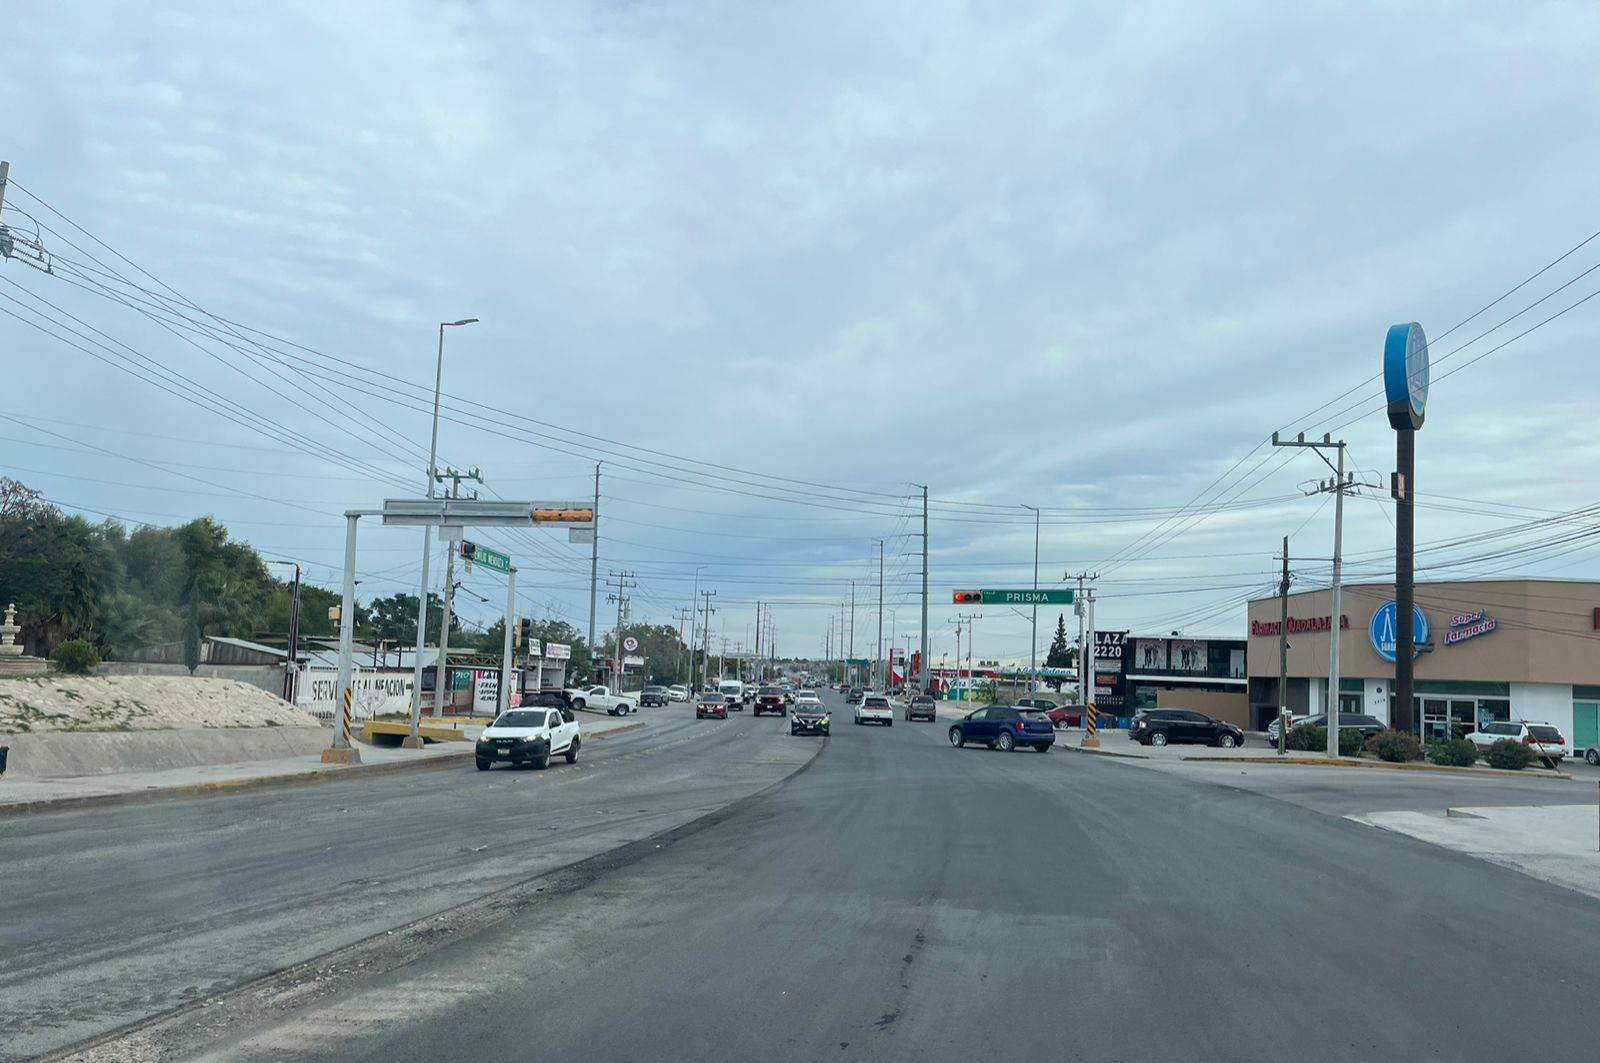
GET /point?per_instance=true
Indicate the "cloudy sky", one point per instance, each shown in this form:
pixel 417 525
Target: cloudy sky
pixel 774 265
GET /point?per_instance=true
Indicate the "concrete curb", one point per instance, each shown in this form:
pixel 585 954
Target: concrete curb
pixel 1414 765
pixel 1104 752
pixel 223 786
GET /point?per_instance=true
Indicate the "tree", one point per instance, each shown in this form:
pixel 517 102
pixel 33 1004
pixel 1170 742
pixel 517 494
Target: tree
pixel 224 586
pixel 1061 653
pixel 394 619
pixel 659 645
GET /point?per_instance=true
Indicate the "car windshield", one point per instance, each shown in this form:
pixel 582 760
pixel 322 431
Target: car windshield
pixel 711 696
pixel 771 691
pixel 547 701
pixel 519 718
pixel 655 690
pixel 922 699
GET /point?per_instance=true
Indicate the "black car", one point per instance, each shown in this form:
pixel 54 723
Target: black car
pixel 855 696
pixel 922 707
pixel 1157 727
pixel 653 696
pixel 809 720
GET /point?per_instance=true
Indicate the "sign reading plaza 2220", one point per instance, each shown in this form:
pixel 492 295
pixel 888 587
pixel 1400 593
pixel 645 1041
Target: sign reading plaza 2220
pixel 990 596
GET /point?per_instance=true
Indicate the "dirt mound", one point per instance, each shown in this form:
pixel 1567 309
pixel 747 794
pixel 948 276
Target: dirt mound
pixel 41 704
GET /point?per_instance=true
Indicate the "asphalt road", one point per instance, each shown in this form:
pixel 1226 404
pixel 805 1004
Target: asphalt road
pixel 111 915
pixel 900 899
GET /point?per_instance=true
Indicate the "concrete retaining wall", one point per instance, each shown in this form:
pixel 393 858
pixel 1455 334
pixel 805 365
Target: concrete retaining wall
pixel 61 754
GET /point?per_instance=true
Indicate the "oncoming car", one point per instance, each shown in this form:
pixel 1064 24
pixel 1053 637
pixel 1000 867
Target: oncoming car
pixel 921 707
pixel 529 736
pixel 809 718
pixel 710 704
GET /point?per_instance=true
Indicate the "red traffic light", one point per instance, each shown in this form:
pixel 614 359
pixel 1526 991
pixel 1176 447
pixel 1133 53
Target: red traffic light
pixel 969 597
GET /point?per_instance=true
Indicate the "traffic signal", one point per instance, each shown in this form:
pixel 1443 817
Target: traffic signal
pixel 469 549
pixel 969 597
pixel 568 515
pixel 523 630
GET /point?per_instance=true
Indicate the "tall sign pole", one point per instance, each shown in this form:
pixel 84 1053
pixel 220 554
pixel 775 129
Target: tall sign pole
pixel 1405 385
pixel 922 666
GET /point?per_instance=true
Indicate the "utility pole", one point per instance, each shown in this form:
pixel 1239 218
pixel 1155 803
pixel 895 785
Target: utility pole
pixel 594 555
pixel 503 701
pixel 442 676
pixel 705 633
pixel 922 668
pixel 852 618
pixel 877 662
pixel 677 651
pixel 1091 731
pixel 1085 687
pixel 757 651
pixel 958 647
pixel 1338 486
pixel 1283 653
pixel 624 580
pixel 1033 639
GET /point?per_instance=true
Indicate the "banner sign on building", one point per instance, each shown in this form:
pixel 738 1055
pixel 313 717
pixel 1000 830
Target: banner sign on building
pixel 557 651
pixel 1150 655
pixel 1108 646
pixel 1298 624
pixel 1464 626
pixel 1188 655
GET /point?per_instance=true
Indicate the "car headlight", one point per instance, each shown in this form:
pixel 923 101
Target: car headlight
pixel 530 738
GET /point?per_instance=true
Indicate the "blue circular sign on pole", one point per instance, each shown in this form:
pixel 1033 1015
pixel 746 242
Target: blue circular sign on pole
pixel 1384 629
pixel 1405 375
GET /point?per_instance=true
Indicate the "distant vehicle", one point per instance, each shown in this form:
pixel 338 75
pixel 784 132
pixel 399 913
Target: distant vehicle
pixel 732 692
pixel 806 692
pixel 875 708
pixel 1545 741
pixel 809 718
pixel 1157 727
pixel 653 697
pixel 805 699
pixel 677 692
pixel 922 707
pixel 1004 727
pixel 855 696
pixel 1060 715
pixel 529 736
pixel 768 699
pixel 601 699
pixel 710 704
pixel 1354 721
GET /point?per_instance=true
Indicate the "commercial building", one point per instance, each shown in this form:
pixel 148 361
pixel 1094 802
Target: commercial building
pixel 1525 649
pixel 1205 673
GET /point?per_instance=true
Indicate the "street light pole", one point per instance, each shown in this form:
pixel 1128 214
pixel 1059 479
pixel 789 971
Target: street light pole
pixel 414 739
pixel 1033 640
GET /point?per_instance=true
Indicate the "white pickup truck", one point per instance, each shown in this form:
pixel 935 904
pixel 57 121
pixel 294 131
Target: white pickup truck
pixel 601 699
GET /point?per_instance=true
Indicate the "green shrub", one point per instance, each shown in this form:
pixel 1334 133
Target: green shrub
pixel 1396 747
pixel 75 657
pixel 1351 742
pixel 1508 754
pixel 1456 753
pixel 1307 738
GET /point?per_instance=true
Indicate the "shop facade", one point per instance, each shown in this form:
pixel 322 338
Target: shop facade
pixel 1486 650
pixel 1205 673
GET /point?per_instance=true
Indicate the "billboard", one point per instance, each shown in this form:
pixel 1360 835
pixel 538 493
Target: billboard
pixel 1108 646
pixel 1150 655
pixel 557 651
pixel 1188 655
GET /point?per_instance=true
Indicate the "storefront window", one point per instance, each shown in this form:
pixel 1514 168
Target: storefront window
pixel 1492 709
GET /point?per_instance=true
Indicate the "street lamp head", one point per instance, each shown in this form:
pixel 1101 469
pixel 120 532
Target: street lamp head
pixel 463 321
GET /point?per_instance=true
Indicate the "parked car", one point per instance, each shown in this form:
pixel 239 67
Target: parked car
pixel 529 736
pixel 1592 754
pixel 1060 715
pixel 1359 721
pixel 678 692
pixel 710 703
pixel 1543 739
pixel 809 718
pixel 875 708
pixel 922 707
pixel 1157 727
pixel 1004 727
pixel 601 699
pixel 653 697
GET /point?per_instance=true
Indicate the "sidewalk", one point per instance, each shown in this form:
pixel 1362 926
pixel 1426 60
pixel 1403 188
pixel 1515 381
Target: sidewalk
pixel 33 795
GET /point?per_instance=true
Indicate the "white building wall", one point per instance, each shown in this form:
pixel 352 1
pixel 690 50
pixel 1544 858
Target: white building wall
pixel 1375 695
pixel 1543 703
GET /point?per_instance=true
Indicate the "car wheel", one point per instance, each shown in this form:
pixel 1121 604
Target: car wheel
pixel 1226 742
pixel 1593 756
pixel 1159 738
pixel 1044 747
pixel 888 723
pixel 578 703
pixel 541 759
pixel 572 751
pixel 1005 743
pixel 483 765
pixel 957 739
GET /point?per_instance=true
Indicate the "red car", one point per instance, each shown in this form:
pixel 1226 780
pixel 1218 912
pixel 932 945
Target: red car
pixel 710 703
pixel 1060 715
pixel 770 699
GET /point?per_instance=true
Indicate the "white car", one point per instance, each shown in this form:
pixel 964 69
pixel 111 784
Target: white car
pixel 602 700
pixel 875 708
pixel 1543 739
pixel 529 736
pixel 678 693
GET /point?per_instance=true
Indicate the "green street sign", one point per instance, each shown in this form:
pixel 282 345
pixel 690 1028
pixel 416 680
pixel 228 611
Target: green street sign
pixel 860 662
pixel 993 596
pixel 482 555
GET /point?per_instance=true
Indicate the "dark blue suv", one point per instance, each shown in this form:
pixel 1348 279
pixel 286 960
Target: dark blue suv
pixel 1004 727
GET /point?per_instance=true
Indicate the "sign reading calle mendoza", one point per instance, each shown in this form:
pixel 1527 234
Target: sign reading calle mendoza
pixel 1464 626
